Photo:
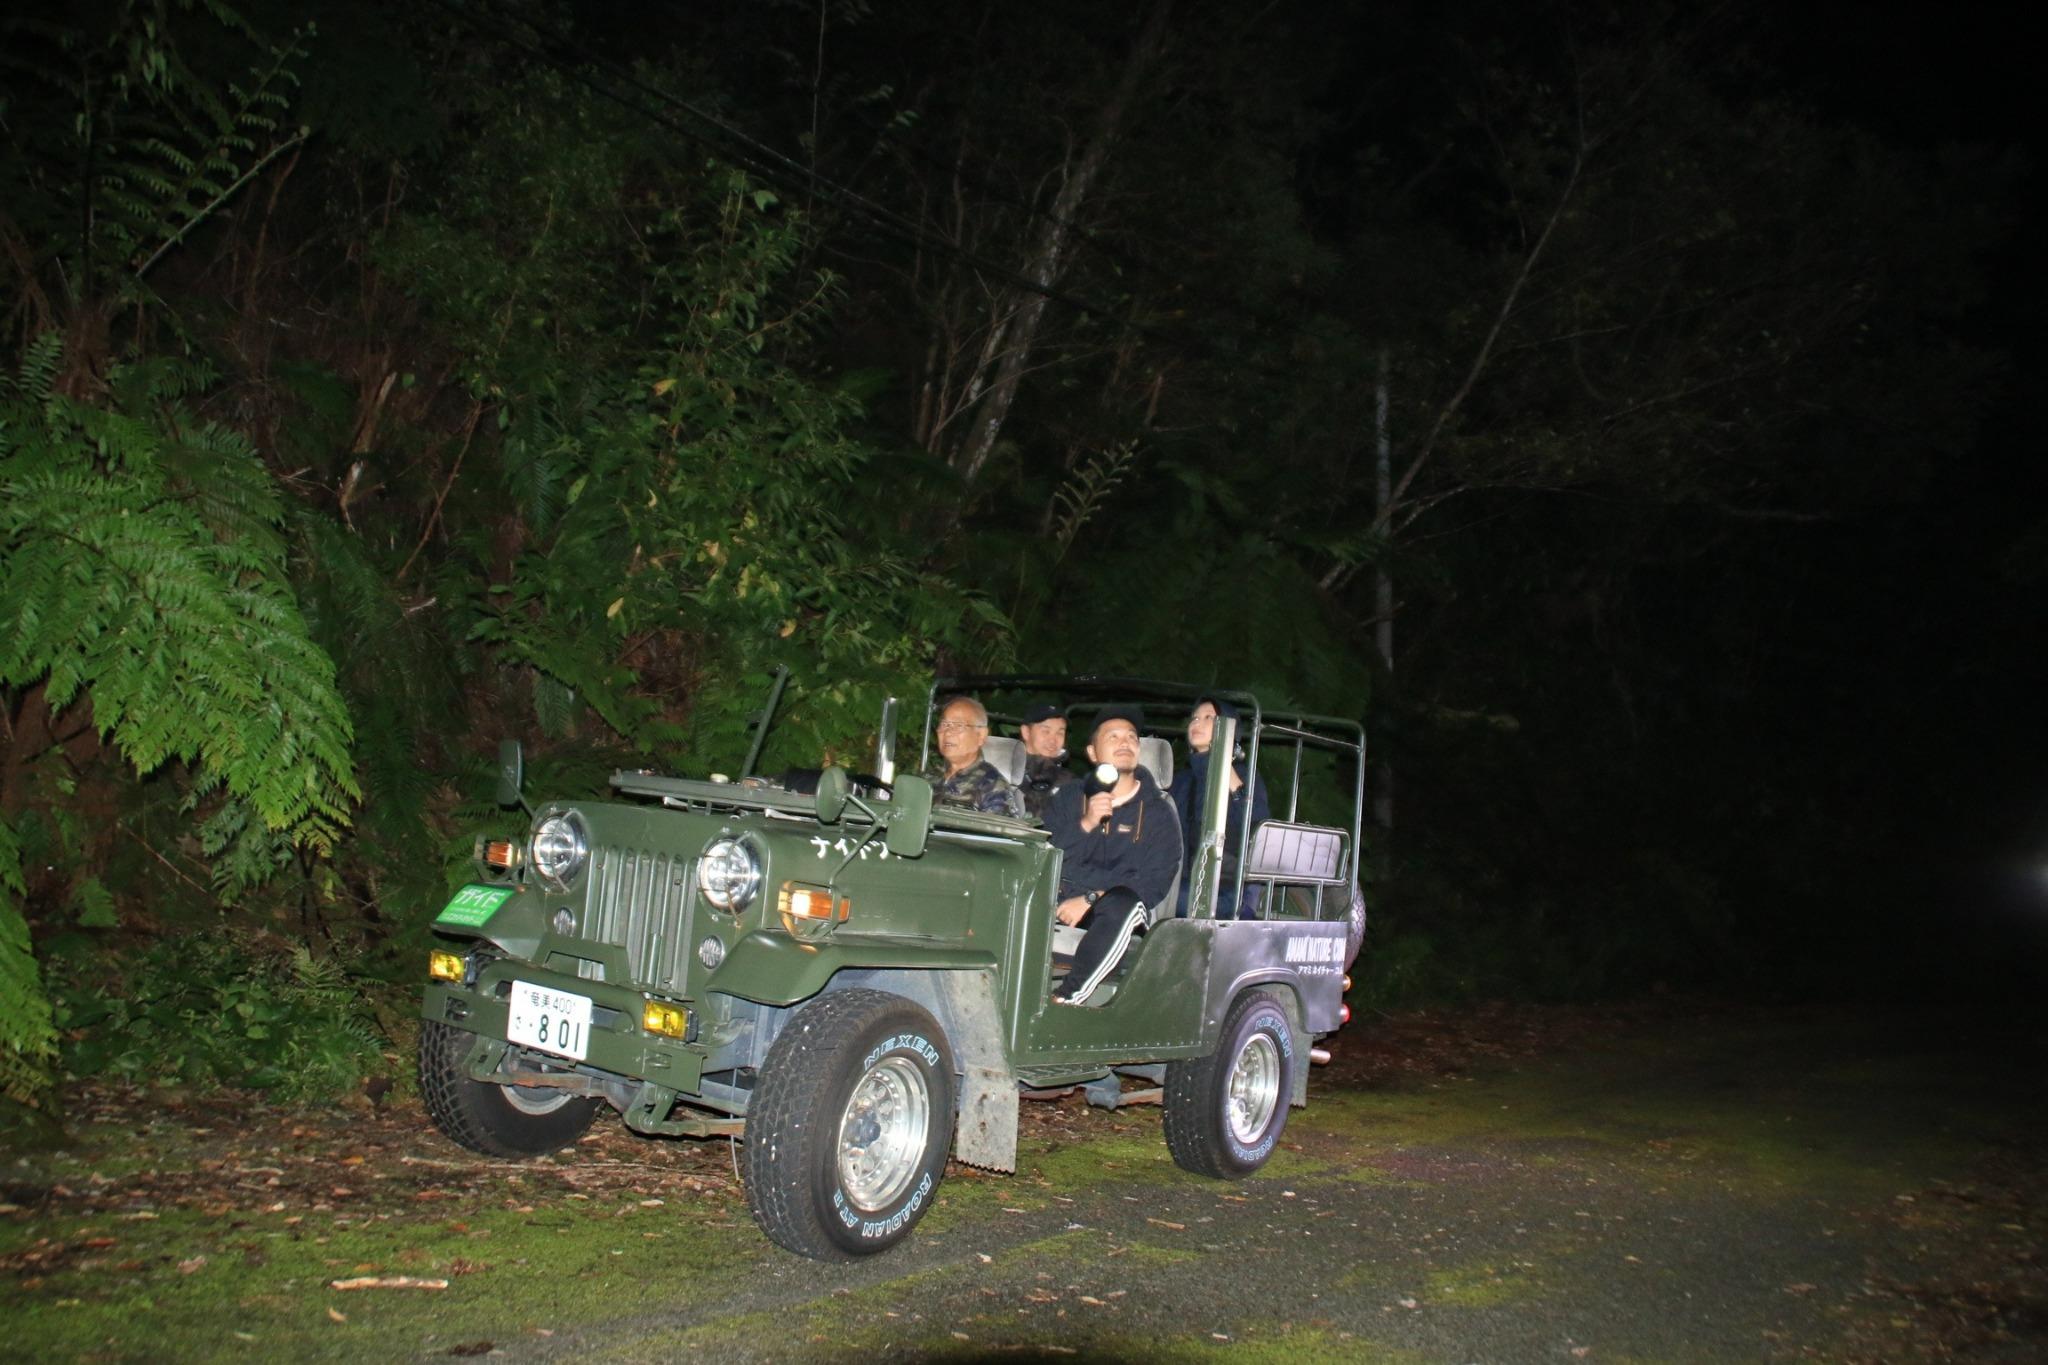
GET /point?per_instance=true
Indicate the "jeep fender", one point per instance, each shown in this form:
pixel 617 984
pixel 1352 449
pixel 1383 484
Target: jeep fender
pixel 774 969
pixel 964 1003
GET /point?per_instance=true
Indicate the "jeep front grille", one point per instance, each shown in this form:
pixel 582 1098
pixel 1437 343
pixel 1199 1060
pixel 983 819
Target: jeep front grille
pixel 641 902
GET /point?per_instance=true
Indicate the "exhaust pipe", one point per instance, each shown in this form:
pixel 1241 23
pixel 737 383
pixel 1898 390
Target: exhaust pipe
pixel 1319 1056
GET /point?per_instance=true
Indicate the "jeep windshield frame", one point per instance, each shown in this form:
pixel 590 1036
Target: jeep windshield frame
pixel 1078 695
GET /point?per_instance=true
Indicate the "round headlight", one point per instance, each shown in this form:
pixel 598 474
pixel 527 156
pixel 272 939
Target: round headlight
pixel 728 874
pixel 559 848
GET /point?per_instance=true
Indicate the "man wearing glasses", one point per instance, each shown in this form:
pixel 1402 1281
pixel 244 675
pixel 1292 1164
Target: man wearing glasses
pixel 967 778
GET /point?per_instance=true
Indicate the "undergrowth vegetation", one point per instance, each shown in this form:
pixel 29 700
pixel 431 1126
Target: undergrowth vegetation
pixel 231 1011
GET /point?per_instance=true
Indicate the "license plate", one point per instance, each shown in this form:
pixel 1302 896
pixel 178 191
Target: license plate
pixel 549 1020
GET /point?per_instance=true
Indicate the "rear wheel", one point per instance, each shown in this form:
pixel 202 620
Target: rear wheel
pixel 849 1125
pixel 497 1120
pixel 1225 1112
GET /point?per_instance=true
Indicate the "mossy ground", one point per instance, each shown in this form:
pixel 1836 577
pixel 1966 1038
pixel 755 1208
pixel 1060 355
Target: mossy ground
pixel 1829 1191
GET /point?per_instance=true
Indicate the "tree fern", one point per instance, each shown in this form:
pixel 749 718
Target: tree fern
pixel 141 566
pixel 170 606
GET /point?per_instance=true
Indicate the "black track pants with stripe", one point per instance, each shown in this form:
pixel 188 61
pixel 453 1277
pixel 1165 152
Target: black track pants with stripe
pixel 1108 928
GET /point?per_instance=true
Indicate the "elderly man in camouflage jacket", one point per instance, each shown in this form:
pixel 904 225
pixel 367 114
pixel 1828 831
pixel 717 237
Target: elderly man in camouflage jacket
pixel 963 777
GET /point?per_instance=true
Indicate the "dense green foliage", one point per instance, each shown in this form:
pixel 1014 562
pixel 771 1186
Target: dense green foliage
pixel 209 1012
pixel 383 380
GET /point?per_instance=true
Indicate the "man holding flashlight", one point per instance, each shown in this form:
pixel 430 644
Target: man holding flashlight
pixel 1120 846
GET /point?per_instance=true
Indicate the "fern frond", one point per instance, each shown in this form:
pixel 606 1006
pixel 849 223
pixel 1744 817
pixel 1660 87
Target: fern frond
pixel 1086 492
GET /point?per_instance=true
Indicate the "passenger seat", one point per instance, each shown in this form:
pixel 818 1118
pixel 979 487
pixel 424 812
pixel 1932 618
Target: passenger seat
pixel 1006 756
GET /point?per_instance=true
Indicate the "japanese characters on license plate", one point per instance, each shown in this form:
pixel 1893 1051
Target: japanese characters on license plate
pixel 552 1021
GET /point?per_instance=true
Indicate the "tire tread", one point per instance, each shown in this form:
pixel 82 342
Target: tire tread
pixel 1193 1102
pixel 463 1110
pixel 788 1114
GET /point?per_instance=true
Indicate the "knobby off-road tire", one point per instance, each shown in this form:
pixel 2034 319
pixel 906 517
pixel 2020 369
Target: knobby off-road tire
pixel 849 1125
pixel 1225 1112
pixel 497 1120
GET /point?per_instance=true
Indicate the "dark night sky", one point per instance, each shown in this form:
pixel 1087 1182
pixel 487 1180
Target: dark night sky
pixel 1936 77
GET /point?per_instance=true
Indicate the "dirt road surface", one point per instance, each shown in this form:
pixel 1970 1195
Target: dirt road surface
pixel 1678 1183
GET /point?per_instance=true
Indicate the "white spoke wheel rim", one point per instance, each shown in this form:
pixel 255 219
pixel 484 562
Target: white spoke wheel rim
pixel 1253 1089
pixel 534 1100
pixel 882 1133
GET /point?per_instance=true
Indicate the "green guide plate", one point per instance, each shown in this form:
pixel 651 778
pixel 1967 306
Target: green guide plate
pixel 473 905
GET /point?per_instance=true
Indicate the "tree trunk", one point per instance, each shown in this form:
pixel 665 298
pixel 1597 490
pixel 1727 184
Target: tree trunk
pixel 1383 583
pixel 1012 338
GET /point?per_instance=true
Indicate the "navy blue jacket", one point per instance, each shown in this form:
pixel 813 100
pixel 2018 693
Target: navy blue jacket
pixel 1138 846
pixel 1247 802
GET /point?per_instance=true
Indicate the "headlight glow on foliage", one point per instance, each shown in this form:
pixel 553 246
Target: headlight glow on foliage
pixel 559 848
pixel 728 874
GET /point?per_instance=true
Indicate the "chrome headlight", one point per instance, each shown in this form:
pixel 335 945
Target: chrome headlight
pixel 559 848
pixel 729 874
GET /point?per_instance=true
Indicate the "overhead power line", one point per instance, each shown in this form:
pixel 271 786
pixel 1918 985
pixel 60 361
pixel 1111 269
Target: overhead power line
pixel 772 167
pixel 747 153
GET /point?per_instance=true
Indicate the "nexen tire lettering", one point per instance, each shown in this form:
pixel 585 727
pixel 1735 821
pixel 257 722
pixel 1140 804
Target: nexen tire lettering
pixel 910 1041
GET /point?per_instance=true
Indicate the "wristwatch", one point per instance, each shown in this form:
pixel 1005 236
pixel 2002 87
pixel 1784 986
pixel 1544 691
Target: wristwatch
pixel 1091 896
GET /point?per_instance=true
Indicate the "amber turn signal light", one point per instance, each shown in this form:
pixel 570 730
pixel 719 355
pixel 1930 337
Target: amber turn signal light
pixel 671 1021
pixel 812 902
pixel 443 965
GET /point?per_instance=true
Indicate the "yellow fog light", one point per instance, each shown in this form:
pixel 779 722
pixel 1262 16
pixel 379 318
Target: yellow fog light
pixel 443 965
pixel 811 902
pixel 671 1021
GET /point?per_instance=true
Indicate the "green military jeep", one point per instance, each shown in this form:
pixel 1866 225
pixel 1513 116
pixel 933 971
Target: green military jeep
pixel 857 981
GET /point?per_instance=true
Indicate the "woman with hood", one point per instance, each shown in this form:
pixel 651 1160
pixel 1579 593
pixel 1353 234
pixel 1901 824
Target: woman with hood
pixel 1247 802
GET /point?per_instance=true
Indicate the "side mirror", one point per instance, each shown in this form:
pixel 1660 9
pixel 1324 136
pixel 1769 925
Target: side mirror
pixel 833 787
pixel 885 746
pixel 910 819
pixel 511 772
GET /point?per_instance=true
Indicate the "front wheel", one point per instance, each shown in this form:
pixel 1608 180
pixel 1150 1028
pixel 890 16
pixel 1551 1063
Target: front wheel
pixel 849 1125
pixel 1225 1112
pixel 497 1120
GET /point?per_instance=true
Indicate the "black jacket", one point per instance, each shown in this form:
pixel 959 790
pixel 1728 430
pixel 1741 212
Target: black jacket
pixel 1138 846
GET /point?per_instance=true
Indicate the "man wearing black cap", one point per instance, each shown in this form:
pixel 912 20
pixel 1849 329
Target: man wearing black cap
pixel 1120 848
pixel 1044 733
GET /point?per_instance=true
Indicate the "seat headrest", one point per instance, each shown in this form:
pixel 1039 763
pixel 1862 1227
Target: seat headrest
pixel 1006 756
pixel 1157 756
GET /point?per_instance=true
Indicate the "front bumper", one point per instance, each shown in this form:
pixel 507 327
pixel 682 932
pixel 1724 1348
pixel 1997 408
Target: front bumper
pixel 618 1045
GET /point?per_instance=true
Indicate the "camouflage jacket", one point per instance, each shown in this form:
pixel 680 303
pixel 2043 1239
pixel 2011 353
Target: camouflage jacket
pixel 978 787
pixel 1042 777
